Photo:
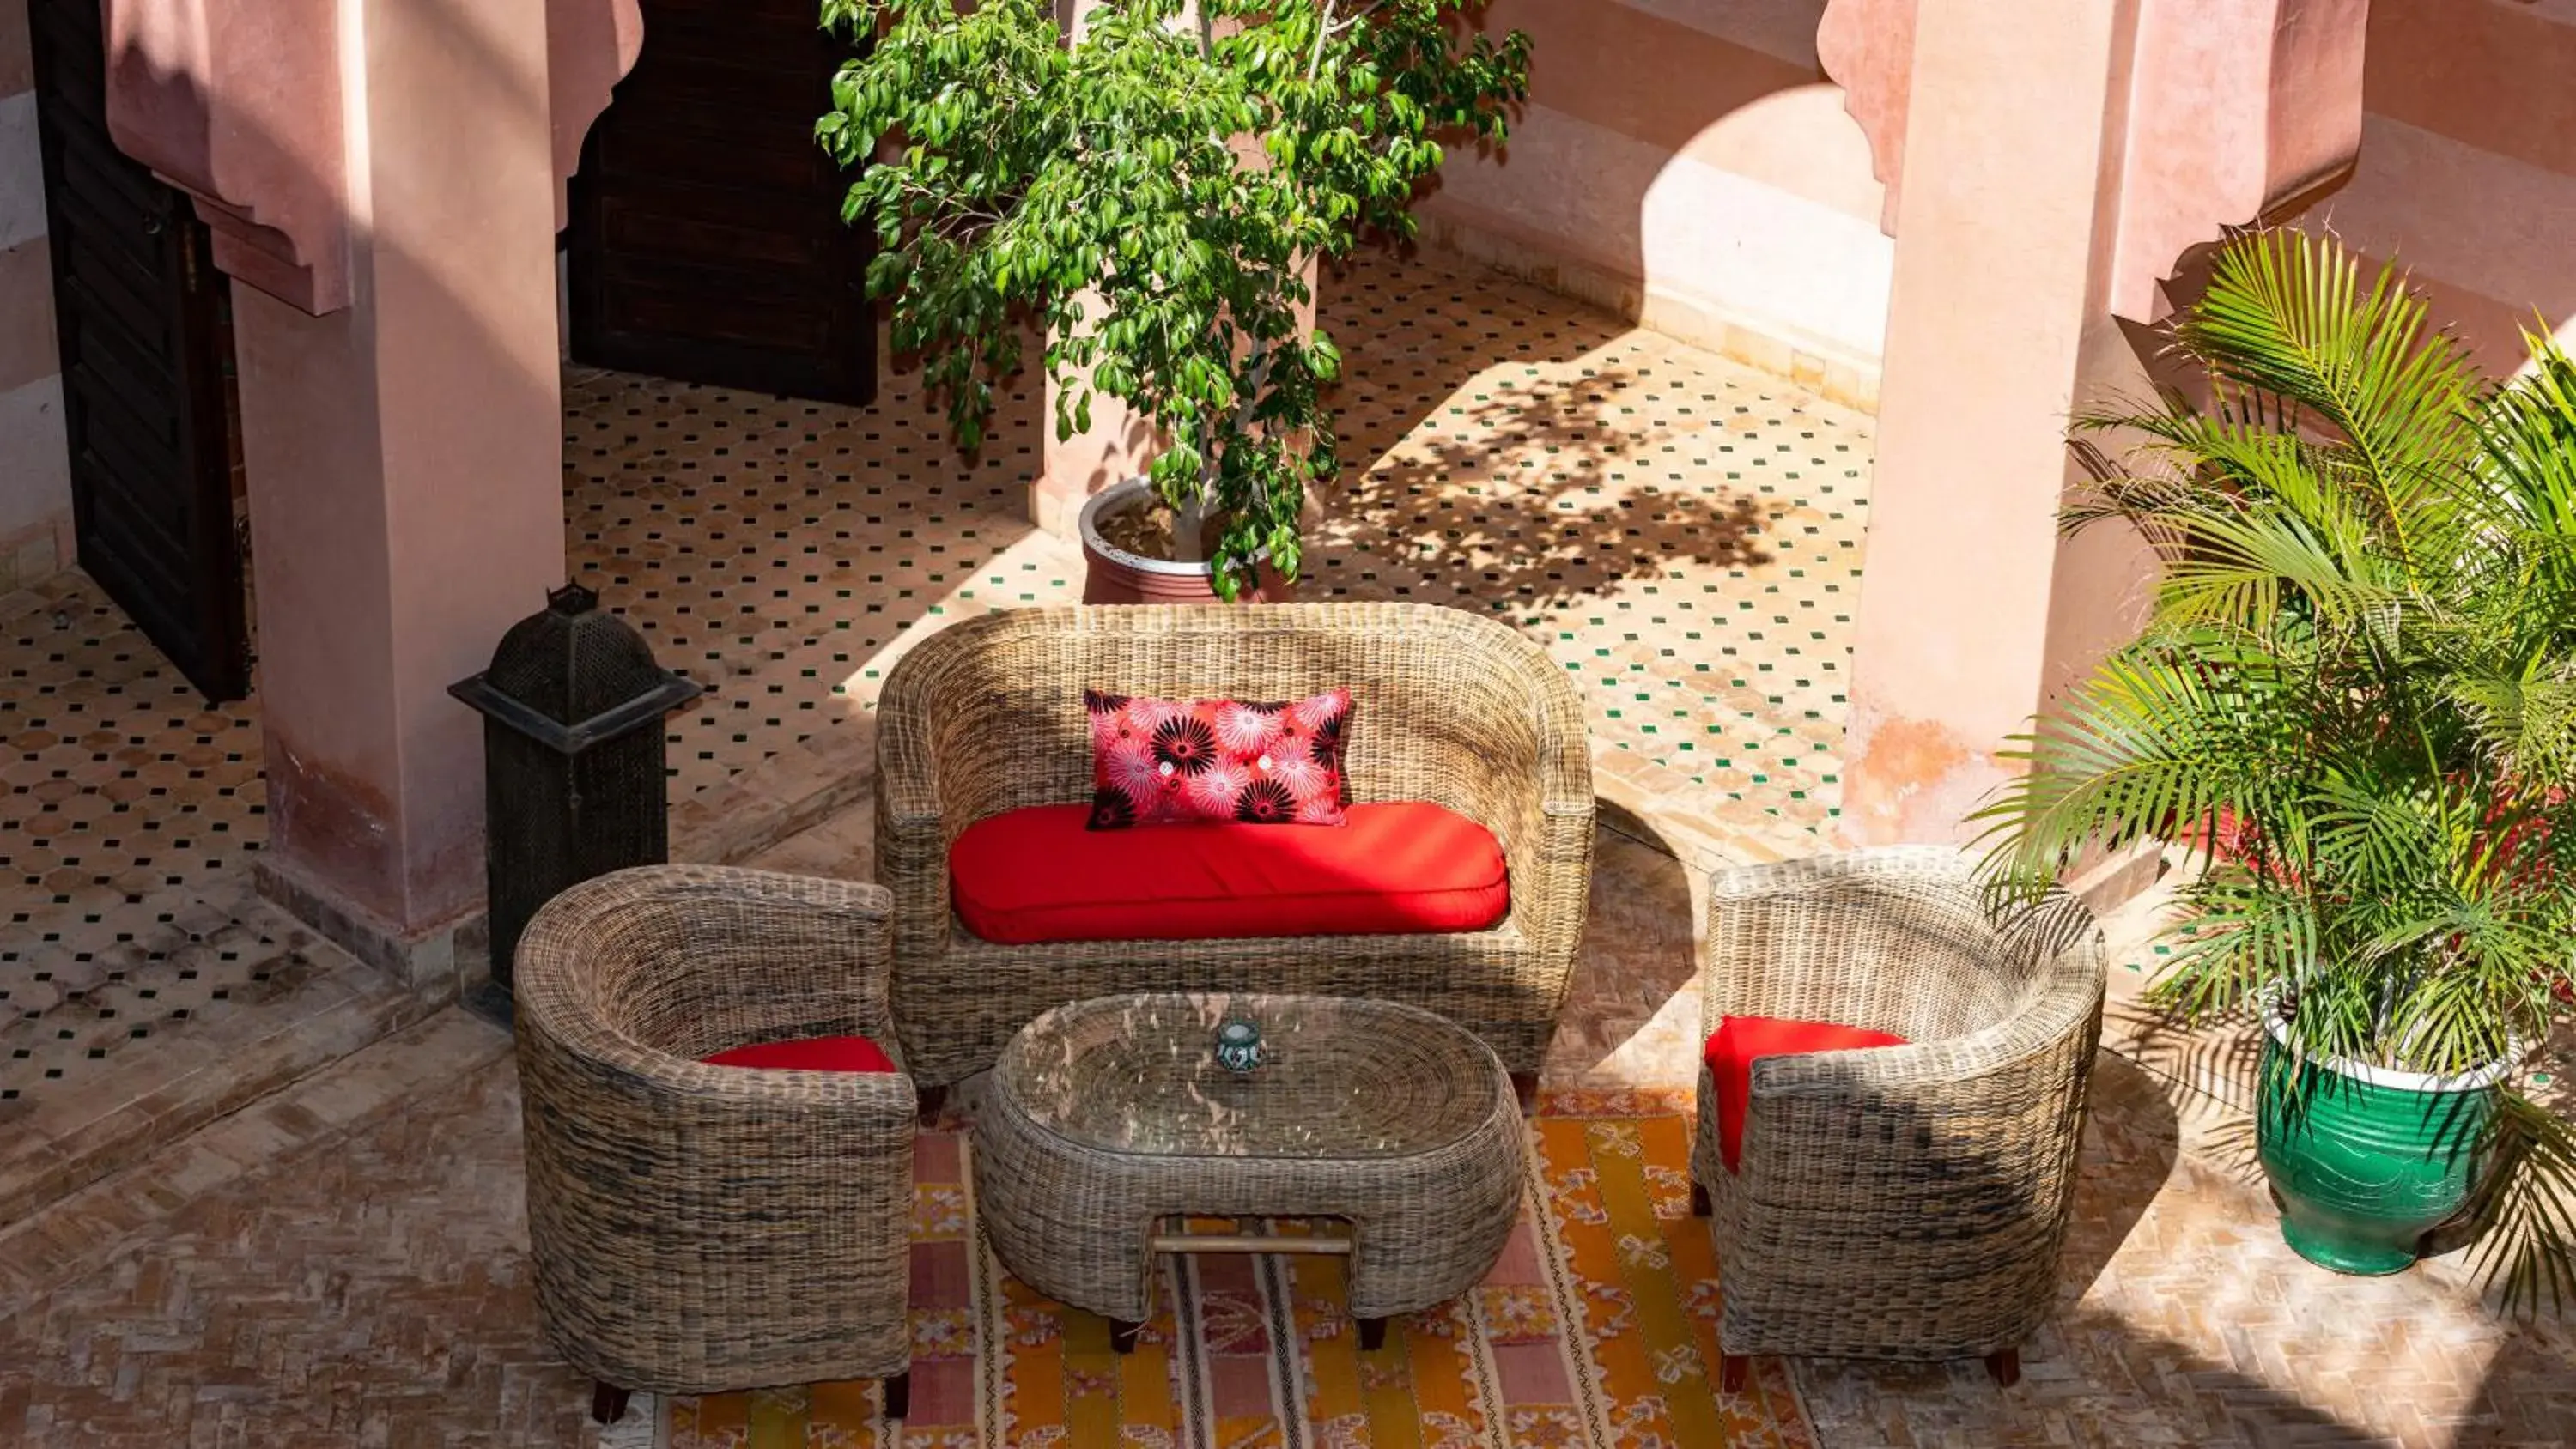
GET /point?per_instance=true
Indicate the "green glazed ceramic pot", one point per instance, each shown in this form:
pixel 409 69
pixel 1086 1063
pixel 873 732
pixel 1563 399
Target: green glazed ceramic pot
pixel 2365 1160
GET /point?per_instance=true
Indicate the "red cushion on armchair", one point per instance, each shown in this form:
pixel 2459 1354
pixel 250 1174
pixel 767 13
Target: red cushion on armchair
pixel 808 1054
pixel 1039 875
pixel 1740 1040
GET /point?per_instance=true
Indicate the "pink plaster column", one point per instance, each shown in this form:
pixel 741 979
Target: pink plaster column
pixel 1997 333
pixel 2057 163
pixel 405 459
pixel 389 170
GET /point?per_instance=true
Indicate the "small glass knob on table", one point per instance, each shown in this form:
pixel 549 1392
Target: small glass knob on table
pixel 1238 1046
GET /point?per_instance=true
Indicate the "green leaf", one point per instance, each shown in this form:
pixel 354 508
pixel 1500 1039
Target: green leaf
pixel 1092 188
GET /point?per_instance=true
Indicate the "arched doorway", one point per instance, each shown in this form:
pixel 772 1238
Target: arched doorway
pixel 705 241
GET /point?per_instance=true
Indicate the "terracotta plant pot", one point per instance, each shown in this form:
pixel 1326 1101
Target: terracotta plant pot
pixel 1119 577
pixel 2364 1161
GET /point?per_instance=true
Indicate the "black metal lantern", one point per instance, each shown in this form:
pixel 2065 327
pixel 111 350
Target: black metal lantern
pixel 572 758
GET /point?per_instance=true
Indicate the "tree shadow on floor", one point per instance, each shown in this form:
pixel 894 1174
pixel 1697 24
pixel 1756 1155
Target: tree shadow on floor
pixel 1528 492
pixel 2529 1393
pixel 1414 329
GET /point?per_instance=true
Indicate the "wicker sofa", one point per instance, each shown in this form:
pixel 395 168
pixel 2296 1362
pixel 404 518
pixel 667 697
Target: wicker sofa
pixel 1905 1201
pixel 987 716
pixel 704 1228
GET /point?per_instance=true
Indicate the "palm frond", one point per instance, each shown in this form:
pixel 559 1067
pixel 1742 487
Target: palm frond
pixel 2247 566
pixel 2144 748
pixel 2528 726
pixel 2525 487
pixel 2285 314
pixel 2529 1208
pixel 2243 939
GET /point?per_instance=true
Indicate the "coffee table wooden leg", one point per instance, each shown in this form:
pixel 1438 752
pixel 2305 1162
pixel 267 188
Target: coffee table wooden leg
pixel 1122 1335
pixel 1372 1334
pixel 607 1402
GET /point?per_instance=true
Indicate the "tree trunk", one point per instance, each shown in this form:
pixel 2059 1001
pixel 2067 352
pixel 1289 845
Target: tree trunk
pixel 1189 532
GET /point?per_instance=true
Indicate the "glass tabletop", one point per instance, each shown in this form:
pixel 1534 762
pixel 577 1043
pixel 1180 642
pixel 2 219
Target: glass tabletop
pixel 1336 1077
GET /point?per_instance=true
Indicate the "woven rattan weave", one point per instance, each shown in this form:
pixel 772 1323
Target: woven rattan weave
pixel 986 716
pixel 701 1228
pixel 1897 1202
pixel 1108 1116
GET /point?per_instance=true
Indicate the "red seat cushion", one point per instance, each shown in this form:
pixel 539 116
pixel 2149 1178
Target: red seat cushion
pixel 1039 875
pixel 1740 1040
pixel 808 1054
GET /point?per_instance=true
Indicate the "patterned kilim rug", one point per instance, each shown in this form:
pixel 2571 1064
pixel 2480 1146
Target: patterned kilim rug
pixel 1596 1328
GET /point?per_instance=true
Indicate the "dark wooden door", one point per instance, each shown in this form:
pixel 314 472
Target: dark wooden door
pixel 705 233
pixel 136 307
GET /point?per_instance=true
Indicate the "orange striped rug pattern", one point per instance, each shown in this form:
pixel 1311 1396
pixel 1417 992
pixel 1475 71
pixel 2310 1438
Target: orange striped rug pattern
pixel 1597 1328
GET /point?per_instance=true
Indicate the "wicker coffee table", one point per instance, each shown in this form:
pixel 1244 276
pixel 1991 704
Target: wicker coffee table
pixel 1108 1117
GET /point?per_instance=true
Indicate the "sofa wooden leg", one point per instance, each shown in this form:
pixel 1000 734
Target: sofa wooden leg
pixel 1699 1201
pixel 1372 1334
pixel 1734 1371
pixel 1525 1088
pixel 931 1099
pixel 2005 1365
pixel 607 1402
pixel 1122 1335
pixel 898 1395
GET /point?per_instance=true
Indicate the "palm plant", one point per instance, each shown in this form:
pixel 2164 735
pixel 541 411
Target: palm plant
pixel 2355 699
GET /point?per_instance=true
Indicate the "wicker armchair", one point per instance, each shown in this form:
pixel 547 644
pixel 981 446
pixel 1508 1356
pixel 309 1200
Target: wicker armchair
pixel 986 716
pixel 710 1228
pixel 1895 1202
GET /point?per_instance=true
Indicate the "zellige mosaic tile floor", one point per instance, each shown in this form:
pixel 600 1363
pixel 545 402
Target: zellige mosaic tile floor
pixel 125 803
pixel 1683 532
pixel 769 547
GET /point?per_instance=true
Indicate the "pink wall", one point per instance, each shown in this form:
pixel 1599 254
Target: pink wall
pixel 1686 163
pixel 35 478
pixel 2468 163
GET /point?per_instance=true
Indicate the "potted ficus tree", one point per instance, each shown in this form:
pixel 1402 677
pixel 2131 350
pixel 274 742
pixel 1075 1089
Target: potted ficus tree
pixel 1150 196
pixel 2356 703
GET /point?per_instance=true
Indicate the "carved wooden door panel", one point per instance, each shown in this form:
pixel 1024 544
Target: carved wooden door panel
pixel 705 234
pixel 137 310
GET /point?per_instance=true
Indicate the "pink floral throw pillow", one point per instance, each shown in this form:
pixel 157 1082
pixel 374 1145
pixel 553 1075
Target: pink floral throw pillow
pixel 1166 762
